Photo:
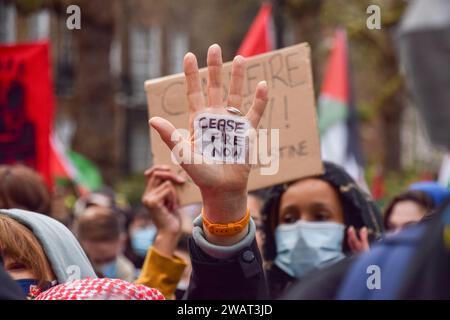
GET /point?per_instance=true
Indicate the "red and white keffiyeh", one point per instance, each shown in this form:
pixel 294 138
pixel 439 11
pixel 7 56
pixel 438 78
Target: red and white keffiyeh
pixel 100 289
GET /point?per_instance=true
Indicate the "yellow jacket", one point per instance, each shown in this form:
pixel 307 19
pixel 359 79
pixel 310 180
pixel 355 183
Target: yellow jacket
pixel 161 272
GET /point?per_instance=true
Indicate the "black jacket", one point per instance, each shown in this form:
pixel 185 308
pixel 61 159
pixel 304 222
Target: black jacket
pixel 278 281
pixel 321 284
pixel 242 278
pixel 239 278
pixel 9 290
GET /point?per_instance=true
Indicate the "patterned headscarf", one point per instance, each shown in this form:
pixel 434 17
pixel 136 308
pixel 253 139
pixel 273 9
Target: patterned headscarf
pixel 100 289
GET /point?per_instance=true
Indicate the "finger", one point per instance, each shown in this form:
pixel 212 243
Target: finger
pixel 161 193
pixel 259 104
pixel 162 172
pixel 351 239
pixel 152 183
pixel 195 96
pixel 237 82
pixel 364 236
pixel 214 62
pixel 161 188
pixel 164 175
pixel 173 197
pixel 165 129
pixel 168 195
pixel 160 167
pixel 153 197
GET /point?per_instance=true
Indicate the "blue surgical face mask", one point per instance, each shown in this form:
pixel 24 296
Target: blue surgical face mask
pixel 109 270
pixel 25 284
pixel 304 246
pixel 142 239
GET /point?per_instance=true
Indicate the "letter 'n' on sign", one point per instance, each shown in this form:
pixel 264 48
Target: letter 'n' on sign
pixel 291 110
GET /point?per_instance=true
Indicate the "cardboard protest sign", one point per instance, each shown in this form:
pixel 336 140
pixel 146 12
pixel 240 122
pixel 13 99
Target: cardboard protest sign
pixel 291 110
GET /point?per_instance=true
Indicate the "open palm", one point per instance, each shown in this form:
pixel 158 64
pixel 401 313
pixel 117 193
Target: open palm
pixel 217 177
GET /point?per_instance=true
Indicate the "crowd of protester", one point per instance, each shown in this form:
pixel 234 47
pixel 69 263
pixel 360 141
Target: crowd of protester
pixel 300 227
pixel 312 238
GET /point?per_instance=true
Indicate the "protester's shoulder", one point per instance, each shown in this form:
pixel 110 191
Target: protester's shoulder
pixel 409 235
pixel 278 280
pixel 9 290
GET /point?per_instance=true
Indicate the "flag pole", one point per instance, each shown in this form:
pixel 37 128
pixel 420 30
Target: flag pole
pixel 278 22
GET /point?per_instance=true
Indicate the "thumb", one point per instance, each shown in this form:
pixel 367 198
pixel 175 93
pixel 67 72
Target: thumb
pixel 165 130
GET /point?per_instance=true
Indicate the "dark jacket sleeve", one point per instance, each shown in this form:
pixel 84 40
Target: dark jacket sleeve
pixel 9 290
pixel 322 284
pixel 239 277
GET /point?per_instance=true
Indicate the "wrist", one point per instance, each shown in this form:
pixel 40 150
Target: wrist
pixel 224 207
pixel 166 242
pixel 225 249
pixel 225 240
pixel 169 232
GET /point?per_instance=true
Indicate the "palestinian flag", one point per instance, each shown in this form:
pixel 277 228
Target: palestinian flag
pixel 444 173
pixel 259 37
pixel 337 115
pixel 69 165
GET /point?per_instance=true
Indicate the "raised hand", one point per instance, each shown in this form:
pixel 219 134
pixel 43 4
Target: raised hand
pixel 223 186
pixel 358 245
pixel 160 198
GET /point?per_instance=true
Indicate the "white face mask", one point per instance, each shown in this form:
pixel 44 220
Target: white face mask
pixel 304 246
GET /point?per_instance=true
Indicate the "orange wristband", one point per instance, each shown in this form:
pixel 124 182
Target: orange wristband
pixel 226 229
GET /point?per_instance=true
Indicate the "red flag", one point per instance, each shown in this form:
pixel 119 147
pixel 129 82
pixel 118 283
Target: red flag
pixel 59 164
pixel 336 81
pixel 258 39
pixel 378 189
pixel 26 106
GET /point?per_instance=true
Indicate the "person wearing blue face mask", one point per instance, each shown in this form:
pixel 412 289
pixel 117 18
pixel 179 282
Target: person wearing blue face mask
pixel 142 238
pixel 310 224
pixel 141 235
pixel 303 246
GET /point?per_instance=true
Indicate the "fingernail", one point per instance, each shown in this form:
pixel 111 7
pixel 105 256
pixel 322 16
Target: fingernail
pixel 152 121
pixel 263 87
pixel 189 55
pixel 239 58
pixel 214 46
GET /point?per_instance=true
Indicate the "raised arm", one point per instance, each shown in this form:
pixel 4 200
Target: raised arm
pixel 230 262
